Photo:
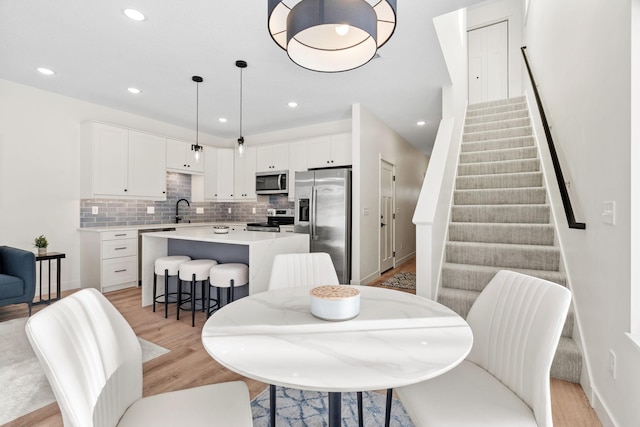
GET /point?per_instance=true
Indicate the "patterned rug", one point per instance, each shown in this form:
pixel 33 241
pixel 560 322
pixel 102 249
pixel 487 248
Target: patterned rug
pixel 298 408
pixel 401 280
pixel 24 385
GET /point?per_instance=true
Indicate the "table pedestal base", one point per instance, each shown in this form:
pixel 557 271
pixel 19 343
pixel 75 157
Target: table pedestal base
pixel 335 409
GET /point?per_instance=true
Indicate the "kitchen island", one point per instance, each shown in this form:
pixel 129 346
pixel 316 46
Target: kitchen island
pixel 254 248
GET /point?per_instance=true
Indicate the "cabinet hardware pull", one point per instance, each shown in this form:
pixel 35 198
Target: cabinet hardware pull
pixel 119 249
pixel 121 271
pixel 123 234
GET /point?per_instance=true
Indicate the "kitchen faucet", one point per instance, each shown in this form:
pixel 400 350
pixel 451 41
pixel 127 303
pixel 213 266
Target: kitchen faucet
pixel 178 218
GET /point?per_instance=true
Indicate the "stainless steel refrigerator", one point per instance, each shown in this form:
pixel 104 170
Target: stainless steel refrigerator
pixel 323 210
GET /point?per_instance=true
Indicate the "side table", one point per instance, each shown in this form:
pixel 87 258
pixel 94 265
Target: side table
pixel 48 257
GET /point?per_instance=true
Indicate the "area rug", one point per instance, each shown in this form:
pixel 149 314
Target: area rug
pixel 24 385
pixel 298 408
pixel 401 280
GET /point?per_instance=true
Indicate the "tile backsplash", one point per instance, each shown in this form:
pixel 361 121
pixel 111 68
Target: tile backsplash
pixel 119 212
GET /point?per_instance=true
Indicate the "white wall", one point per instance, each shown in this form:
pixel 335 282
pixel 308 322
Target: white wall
pixel 580 56
pixel 372 141
pixel 40 167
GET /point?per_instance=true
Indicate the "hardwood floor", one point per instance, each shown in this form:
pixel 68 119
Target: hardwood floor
pixel 189 365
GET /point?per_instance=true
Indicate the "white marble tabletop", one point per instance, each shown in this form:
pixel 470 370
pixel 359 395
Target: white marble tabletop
pixel 396 340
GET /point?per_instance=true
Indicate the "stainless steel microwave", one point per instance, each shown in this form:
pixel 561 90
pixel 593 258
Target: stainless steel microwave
pixel 273 182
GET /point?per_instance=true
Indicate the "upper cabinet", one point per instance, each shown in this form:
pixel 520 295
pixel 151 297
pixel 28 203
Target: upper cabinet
pixel 245 175
pixel 180 157
pixel 297 163
pixel 272 157
pixel 218 174
pixel 329 151
pixel 118 162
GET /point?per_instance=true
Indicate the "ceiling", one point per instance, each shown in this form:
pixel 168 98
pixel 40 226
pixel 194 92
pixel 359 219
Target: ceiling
pixel 97 53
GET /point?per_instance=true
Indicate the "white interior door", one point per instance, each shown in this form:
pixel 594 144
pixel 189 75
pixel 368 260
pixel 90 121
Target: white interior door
pixel 387 219
pixel 488 63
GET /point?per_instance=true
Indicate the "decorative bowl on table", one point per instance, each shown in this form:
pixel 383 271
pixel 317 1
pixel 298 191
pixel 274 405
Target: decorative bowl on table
pixel 220 229
pixel 335 302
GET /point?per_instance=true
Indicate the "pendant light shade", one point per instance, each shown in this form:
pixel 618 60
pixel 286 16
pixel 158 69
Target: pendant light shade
pixel 241 65
pixel 197 148
pixel 331 35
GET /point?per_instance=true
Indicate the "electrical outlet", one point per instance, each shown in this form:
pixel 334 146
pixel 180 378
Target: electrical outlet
pixel 199 210
pixel 365 211
pixel 612 364
pixel 94 210
pixel 253 210
pixel 229 210
pixel 151 210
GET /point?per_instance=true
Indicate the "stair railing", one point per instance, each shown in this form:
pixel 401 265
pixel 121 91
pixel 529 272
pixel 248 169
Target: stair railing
pixel 566 202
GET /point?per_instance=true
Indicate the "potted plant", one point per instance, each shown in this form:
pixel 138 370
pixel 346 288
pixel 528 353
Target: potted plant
pixel 41 243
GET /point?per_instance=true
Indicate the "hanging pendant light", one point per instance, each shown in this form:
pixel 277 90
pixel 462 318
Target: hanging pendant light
pixel 197 148
pixel 241 64
pixel 331 35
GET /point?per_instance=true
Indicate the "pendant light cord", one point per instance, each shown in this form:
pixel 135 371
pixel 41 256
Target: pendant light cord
pixel 240 102
pixel 197 110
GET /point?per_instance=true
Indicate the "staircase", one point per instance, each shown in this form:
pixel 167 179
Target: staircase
pixel 500 218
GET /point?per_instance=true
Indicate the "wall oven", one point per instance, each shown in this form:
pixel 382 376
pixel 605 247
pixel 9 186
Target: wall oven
pixel 273 182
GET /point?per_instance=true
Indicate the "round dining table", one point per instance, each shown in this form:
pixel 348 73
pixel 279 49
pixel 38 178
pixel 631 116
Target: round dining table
pixel 397 339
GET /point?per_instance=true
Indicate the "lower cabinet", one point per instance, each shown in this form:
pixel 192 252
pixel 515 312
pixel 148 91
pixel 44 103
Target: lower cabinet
pixel 109 259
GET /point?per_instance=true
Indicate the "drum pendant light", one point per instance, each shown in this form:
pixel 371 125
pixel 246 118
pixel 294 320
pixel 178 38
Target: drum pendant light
pixel 197 148
pixel 331 35
pixel 241 64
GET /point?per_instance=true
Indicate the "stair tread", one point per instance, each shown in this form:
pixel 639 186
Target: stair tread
pixel 499 162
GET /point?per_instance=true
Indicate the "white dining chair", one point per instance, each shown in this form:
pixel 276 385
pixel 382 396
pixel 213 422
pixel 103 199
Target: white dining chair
pixel 93 362
pixel 505 380
pixel 302 270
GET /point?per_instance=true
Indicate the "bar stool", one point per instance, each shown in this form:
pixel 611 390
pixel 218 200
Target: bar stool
pixel 193 271
pixel 166 266
pixel 227 276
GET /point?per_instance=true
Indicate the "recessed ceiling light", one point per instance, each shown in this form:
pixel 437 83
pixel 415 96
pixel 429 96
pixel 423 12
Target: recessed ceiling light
pixel 136 15
pixel 134 90
pixel 222 119
pixel 45 71
pixel 292 104
pixel 421 123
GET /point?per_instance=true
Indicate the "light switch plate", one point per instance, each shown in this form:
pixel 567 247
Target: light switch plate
pixel 199 210
pixel 609 212
pixel 151 210
pixel 94 210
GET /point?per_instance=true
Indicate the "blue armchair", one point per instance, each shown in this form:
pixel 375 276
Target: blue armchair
pixel 17 276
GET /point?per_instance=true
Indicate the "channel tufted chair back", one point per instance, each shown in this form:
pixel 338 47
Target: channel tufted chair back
pixel 516 321
pixel 93 362
pixel 302 270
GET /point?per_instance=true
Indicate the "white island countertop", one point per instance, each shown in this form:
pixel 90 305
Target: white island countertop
pixel 232 237
pixel 254 248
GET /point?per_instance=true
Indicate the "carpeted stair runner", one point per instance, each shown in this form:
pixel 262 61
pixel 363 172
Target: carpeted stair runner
pixel 500 218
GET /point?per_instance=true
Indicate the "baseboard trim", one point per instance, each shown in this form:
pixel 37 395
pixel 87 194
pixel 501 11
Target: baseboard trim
pixel 400 261
pixel 602 411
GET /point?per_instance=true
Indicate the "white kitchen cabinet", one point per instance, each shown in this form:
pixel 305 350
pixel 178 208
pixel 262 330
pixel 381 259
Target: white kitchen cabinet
pixel 329 151
pixel 180 157
pixel 210 173
pixel 245 175
pixel 147 172
pixel 122 163
pixel 297 163
pixel 272 157
pixel 218 174
pixel 109 259
pixel 225 174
